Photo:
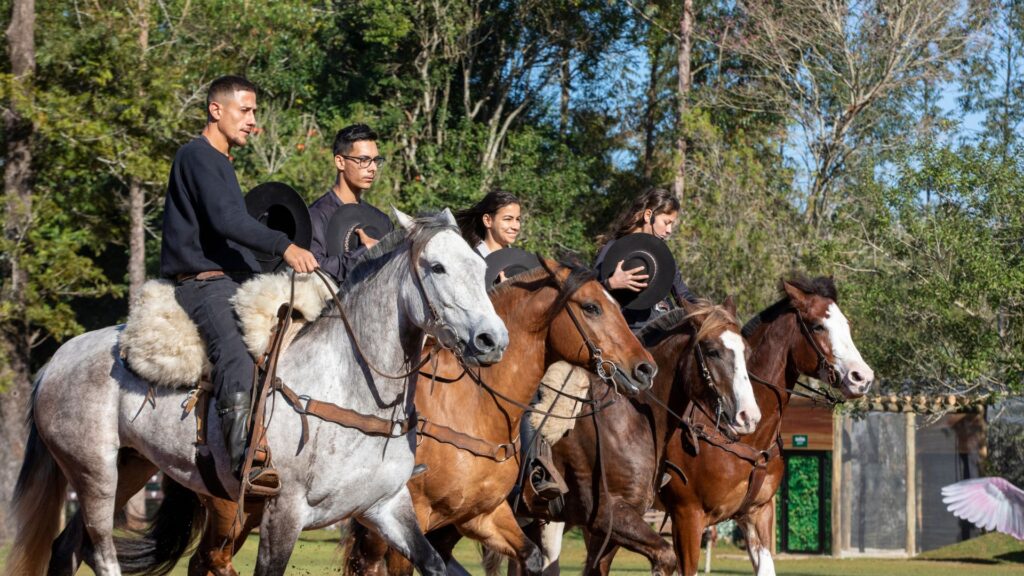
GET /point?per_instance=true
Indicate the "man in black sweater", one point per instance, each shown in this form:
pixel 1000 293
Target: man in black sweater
pixel 207 238
pixel 357 161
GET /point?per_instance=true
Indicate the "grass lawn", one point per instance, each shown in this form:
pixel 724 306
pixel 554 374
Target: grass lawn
pixel 994 554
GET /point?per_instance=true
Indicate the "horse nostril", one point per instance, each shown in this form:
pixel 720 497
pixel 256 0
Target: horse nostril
pixel 744 419
pixel 644 372
pixel 856 377
pixel 484 342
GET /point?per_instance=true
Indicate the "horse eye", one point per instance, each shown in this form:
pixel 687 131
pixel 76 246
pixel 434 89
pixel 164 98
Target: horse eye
pixel 592 309
pixel 713 353
pixel 818 328
pixel 437 269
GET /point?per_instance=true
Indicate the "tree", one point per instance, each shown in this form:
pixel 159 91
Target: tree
pixel 828 65
pixel 17 220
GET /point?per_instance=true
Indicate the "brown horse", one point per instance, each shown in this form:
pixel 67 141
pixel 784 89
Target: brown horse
pixel 804 333
pixel 612 461
pixel 470 426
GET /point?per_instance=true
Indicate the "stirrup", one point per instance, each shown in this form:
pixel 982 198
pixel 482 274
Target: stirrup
pixel 262 482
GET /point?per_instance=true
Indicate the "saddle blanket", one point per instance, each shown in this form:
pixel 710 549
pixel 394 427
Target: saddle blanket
pixel 161 343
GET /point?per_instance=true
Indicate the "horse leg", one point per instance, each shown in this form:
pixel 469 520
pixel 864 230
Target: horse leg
pixel 630 531
pixel 223 527
pixel 366 552
pixel 499 531
pixel 395 520
pixel 599 565
pixel 687 526
pixel 757 528
pixel 279 531
pixel 97 497
pixel 549 538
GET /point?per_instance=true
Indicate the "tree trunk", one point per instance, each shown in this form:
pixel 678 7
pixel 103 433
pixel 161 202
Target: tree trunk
pixel 566 90
pixel 136 237
pixel 16 348
pixel 651 109
pixel 683 94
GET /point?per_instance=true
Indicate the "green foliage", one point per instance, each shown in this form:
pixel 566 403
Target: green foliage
pixel 935 259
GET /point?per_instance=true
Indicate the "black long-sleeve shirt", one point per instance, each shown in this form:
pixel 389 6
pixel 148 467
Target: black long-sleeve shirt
pixel 637 318
pixel 321 211
pixel 206 226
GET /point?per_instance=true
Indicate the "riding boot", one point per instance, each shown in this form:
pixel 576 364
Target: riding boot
pixel 233 409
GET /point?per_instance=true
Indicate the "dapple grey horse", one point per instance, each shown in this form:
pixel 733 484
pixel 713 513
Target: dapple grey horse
pixel 91 425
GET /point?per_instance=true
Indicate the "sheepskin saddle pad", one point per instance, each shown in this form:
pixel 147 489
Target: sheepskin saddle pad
pixel 161 343
pixel 570 381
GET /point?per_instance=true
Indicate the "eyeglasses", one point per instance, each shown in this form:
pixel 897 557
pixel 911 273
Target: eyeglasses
pixel 364 161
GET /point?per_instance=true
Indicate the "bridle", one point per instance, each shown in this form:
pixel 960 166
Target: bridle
pixel 825 368
pixel 453 342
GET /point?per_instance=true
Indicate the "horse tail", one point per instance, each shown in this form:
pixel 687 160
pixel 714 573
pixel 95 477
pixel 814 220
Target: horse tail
pixel 177 525
pixel 491 561
pixel 37 504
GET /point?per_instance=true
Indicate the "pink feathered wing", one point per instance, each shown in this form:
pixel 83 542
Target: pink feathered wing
pixel 990 503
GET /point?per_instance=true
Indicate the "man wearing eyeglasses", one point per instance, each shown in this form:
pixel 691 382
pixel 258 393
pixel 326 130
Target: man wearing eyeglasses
pixel 357 160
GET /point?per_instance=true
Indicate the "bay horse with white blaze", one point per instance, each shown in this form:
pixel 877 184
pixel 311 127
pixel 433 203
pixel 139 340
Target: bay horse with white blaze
pixel 469 423
pixel 716 478
pixel 612 460
pixel 87 428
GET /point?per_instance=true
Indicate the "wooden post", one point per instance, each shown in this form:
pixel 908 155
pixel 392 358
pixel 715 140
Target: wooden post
pixel 846 512
pixel 911 512
pixel 837 485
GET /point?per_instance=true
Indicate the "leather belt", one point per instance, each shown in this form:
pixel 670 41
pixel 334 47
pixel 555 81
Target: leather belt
pixel 200 276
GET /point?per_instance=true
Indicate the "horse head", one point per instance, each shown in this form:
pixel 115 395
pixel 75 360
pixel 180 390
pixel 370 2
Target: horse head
pixel 826 349
pixel 448 299
pixel 720 361
pixel 587 328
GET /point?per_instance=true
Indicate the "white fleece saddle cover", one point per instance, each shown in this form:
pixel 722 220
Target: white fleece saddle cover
pixel 162 344
pixel 570 380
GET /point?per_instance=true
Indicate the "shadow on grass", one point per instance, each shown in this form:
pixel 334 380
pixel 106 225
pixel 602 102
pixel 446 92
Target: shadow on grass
pixel 1016 557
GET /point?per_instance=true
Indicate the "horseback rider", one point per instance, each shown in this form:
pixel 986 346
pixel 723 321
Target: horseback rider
pixel 208 237
pixel 357 161
pixel 654 212
pixel 492 223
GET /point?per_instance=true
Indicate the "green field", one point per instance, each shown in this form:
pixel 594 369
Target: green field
pixel 316 553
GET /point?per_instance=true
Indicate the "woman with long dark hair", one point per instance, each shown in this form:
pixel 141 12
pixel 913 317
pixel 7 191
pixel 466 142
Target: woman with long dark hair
pixel 654 212
pixel 492 223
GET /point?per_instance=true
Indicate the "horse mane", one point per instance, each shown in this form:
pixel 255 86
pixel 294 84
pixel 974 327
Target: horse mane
pixel 713 318
pixel 823 286
pixel 537 277
pixel 373 260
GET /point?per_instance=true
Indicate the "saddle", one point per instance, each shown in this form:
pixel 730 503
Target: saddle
pixel 161 344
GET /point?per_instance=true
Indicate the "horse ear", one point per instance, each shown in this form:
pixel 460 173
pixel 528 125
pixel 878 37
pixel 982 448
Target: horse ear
pixel 404 220
pixel 796 296
pixel 448 217
pixel 730 304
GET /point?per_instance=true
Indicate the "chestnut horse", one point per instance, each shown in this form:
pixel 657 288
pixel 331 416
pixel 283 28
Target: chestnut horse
pixel 469 426
pixel 804 333
pixel 611 462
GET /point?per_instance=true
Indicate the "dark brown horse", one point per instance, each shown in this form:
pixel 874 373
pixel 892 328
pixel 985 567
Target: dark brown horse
pixel 715 478
pixel 612 461
pixel 470 426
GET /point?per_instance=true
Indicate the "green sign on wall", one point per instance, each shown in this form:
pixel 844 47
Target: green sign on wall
pixel 799 440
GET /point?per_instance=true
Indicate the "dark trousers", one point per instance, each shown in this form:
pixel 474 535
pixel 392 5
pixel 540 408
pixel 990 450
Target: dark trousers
pixel 207 303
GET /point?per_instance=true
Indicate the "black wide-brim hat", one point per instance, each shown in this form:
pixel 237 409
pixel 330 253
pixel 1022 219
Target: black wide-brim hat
pixel 639 250
pixel 511 261
pixel 341 230
pixel 279 207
